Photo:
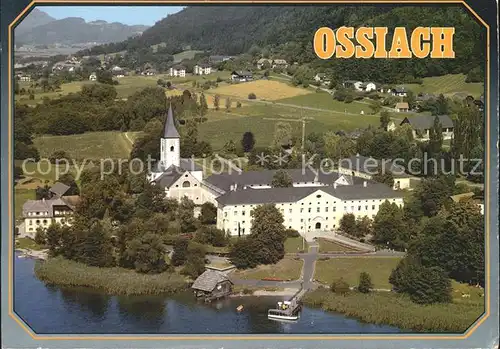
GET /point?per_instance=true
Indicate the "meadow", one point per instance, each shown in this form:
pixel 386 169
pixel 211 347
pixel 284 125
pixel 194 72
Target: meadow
pixel 328 246
pixel 91 145
pixel 349 268
pixel 447 85
pixel 268 90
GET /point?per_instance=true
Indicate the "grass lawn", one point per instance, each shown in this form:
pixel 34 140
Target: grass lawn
pixel 91 145
pixel 328 246
pixel 20 197
pixel 448 85
pixel 285 269
pixel 294 245
pixel 349 268
pixel 27 243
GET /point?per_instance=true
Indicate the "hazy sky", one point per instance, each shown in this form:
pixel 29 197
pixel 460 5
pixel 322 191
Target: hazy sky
pixel 146 15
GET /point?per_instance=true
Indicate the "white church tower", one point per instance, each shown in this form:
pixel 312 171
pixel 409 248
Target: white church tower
pixel 170 149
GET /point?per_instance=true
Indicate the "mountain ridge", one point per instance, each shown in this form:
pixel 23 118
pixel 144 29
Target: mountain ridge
pixel 72 30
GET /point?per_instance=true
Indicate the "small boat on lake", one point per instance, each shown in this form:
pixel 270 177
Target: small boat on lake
pixel 285 311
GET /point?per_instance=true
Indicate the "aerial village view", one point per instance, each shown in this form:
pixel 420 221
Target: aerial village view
pixel 208 173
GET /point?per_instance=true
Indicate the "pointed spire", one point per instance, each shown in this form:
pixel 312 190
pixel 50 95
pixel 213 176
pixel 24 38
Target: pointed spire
pixel 169 130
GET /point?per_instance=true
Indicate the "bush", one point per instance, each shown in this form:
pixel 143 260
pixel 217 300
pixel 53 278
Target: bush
pixel 424 285
pixel 292 233
pixel 340 286
pixel 348 99
pixel 238 104
pixel 365 283
pixel 247 291
pixel 252 96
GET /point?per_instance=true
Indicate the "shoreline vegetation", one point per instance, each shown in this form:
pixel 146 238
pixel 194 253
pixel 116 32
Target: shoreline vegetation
pixel 114 281
pixel 388 308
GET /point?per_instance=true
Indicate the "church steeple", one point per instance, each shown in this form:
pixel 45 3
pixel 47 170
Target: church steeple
pixel 170 142
pixel 170 131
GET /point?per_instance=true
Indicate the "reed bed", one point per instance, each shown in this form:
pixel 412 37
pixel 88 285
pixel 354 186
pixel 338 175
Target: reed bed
pixel 115 281
pixel 387 308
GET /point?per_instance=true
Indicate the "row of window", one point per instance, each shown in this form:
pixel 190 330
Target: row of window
pixel 309 210
pixel 43 213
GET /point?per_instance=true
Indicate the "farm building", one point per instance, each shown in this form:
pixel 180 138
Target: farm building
pixel 368 86
pixel 263 62
pixel 93 77
pixel 399 92
pixel 402 107
pixel 241 76
pixel 421 124
pixel 353 84
pixel 322 78
pixel 211 285
pixel 280 63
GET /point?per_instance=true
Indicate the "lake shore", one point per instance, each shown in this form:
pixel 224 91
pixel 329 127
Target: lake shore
pixel 389 308
pixel 113 281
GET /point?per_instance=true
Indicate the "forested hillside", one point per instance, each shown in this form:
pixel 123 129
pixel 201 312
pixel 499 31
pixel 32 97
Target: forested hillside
pixel 287 32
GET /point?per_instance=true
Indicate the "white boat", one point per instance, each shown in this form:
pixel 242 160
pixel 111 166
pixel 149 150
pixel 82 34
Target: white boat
pixel 285 312
pixel 276 314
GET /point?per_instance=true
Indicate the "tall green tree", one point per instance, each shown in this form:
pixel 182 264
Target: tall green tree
pixel 268 228
pixel 389 228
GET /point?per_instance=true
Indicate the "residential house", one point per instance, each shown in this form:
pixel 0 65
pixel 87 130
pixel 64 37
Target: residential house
pixel 241 76
pixel 402 107
pixel 212 284
pixel 368 86
pixel 24 78
pixel 353 84
pixel 280 63
pixel 391 126
pixel 399 92
pixel 42 213
pixel 261 63
pixel 178 70
pixel 421 124
pixel 322 78
pixel 149 72
pixel 202 69
pixel 368 167
pixel 118 72
pixel 93 77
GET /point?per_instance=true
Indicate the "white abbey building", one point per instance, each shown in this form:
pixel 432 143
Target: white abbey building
pixel 317 201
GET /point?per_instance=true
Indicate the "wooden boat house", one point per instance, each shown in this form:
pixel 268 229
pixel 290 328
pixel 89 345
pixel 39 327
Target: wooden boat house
pixel 211 285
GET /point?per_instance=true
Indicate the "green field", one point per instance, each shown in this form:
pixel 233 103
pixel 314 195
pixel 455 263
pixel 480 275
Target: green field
pixel 222 126
pixel 323 100
pixel 349 268
pixel 189 54
pixel 285 269
pixel 447 85
pixel 92 145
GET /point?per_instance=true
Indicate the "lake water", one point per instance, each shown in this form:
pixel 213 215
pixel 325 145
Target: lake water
pixel 49 309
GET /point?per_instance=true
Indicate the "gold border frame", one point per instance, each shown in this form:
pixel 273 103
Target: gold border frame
pixel 248 337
